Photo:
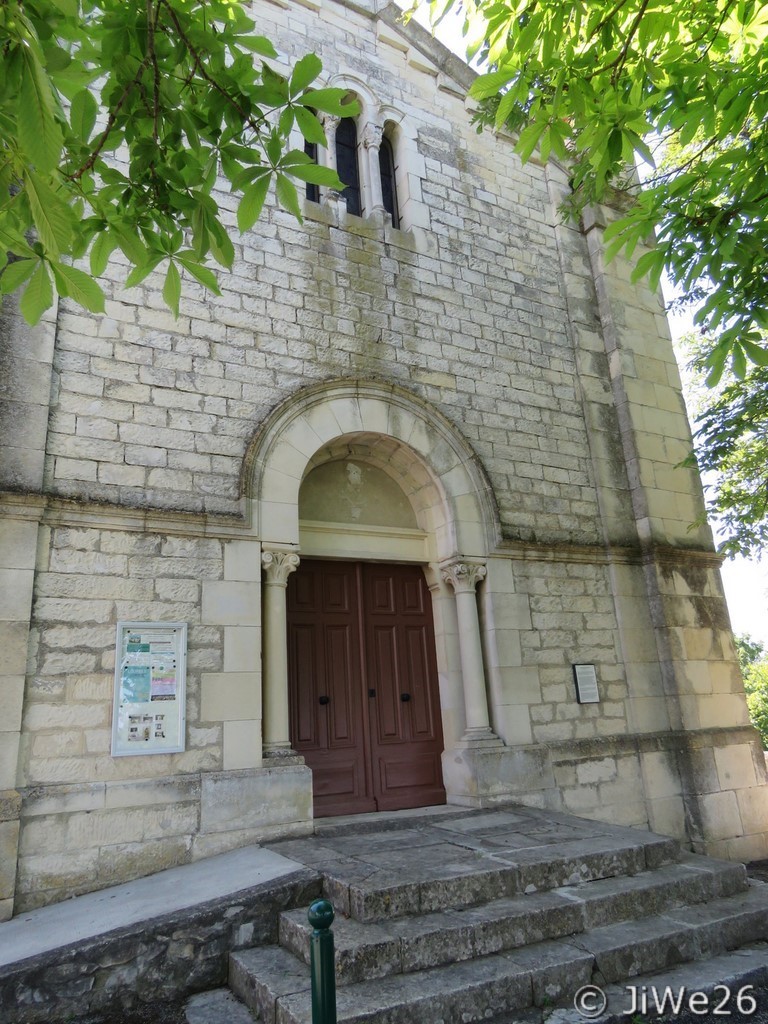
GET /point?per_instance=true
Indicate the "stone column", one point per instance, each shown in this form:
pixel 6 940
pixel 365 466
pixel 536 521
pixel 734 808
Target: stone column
pixel 330 124
pixel 464 577
pixel 277 565
pixel 372 136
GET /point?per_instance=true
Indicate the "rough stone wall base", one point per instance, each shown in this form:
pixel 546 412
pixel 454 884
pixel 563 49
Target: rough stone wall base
pixel 160 960
pixel 706 789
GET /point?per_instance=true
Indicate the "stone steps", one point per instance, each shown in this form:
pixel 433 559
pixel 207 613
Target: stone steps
pixel 493 914
pixel 365 951
pixel 470 877
pixel 721 979
pixel 275 984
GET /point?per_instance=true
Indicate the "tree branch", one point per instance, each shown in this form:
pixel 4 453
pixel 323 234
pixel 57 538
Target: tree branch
pixel 247 119
pixel 155 69
pixel 110 122
pixel 609 17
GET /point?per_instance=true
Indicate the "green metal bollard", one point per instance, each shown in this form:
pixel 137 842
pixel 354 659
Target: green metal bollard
pixel 321 963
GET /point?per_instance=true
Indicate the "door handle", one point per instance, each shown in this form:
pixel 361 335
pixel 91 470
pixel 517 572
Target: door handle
pixel 323 700
pixel 405 697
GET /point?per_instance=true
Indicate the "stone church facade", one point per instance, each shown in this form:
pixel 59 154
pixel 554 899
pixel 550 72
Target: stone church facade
pixel 467 425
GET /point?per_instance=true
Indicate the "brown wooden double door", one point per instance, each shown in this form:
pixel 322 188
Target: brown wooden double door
pixel 365 708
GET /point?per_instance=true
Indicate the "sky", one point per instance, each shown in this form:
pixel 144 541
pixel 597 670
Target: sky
pixel 745 581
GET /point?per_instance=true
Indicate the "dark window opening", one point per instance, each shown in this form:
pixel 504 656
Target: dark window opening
pixel 346 164
pixel 312 191
pixel 388 184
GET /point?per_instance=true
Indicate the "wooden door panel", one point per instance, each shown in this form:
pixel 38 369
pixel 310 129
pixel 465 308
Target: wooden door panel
pixel 381 595
pixel 383 678
pixel 337 780
pixel 417 770
pixel 324 661
pixel 424 714
pixel 303 654
pixel 338 588
pixel 341 711
pixel 412 598
pixel 406 735
pixel 302 592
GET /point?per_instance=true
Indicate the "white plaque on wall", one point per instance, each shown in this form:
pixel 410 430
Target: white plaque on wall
pixel 150 675
pixel 585 677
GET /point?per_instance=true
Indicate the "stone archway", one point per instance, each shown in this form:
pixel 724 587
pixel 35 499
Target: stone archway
pixel 422 447
pixel 387 427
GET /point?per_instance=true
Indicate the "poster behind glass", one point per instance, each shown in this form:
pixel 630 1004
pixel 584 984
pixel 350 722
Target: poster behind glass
pixel 150 674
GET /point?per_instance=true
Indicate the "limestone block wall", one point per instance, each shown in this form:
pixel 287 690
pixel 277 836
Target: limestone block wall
pixel 25 389
pixel 89 819
pixel 465 308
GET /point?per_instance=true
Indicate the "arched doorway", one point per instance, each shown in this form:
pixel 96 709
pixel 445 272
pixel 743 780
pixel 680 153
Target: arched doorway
pixel 429 509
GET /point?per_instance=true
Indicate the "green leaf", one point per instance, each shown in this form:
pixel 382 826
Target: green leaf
pixel 221 245
pixel 529 139
pixel 172 288
pixel 274 148
pixel 258 44
pixel 52 217
pixel 143 270
pixel 39 136
pixel 756 353
pixel 130 244
pixel 286 121
pixel 204 275
pixel 101 250
pixel 288 197
pixel 650 263
pixel 505 108
pixel 310 126
pixel 315 174
pixel 486 86
pixel 82 114
pixel 38 295
pixel 330 101
pixel 12 242
pixel 15 274
pixel 252 202
pixel 738 362
pixel 69 8
pixel 306 71
pixel 78 286
pixel 716 362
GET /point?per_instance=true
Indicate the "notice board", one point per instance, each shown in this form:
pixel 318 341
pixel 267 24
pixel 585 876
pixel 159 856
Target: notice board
pixel 150 687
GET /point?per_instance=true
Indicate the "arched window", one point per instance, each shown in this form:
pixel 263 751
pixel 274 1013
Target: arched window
pixel 346 164
pixel 388 183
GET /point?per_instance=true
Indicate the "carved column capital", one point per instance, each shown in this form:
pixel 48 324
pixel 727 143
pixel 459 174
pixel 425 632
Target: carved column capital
pixel 330 123
pixel 464 576
pixel 372 135
pixel 278 566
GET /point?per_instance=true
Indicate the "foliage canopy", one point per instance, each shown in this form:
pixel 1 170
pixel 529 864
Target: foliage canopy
pixel 117 119
pixel 731 449
pixel 754 668
pixel 603 83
